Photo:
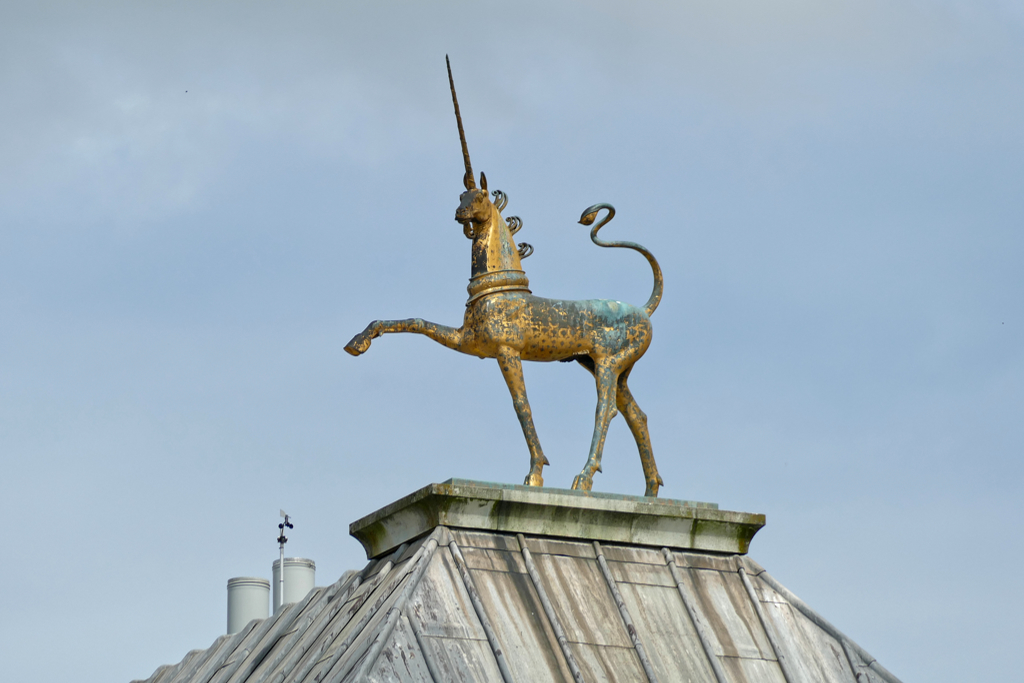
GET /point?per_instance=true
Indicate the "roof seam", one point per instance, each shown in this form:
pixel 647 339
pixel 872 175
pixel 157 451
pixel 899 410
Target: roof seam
pixel 627 620
pixel 786 673
pixel 644 583
pixel 432 671
pixel 475 640
pixel 549 611
pixel 608 645
pixel 478 607
pixel 705 641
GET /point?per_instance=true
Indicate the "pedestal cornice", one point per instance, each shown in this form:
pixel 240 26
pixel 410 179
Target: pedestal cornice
pixel 563 513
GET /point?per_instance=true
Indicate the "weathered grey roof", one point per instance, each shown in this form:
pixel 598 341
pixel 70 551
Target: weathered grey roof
pixel 470 605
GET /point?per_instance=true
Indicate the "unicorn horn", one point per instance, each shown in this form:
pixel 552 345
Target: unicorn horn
pixel 468 180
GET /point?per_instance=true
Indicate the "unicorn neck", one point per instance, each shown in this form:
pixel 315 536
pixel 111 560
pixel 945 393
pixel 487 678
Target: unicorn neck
pixel 496 263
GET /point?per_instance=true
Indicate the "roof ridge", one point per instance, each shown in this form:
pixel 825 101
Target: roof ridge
pixel 207 665
pixel 263 638
pixel 345 660
pixel 268 665
pixel 826 626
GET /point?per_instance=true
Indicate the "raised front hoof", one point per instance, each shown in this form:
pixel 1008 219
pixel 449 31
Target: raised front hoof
pixel 653 486
pixel 534 480
pixel 359 344
pixel 582 483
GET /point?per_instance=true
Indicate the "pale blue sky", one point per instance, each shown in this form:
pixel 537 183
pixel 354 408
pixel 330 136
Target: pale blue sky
pixel 200 204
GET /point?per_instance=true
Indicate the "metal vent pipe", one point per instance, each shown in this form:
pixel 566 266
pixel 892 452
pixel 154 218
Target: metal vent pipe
pixel 299 579
pixel 248 599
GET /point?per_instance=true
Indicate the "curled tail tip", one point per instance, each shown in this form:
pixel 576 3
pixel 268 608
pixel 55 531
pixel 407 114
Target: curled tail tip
pixel 590 214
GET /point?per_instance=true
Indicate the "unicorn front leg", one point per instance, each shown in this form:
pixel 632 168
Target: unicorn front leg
pixel 512 370
pixel 442 334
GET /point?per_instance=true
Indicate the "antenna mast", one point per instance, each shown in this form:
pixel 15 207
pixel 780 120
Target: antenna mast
pixel 281 540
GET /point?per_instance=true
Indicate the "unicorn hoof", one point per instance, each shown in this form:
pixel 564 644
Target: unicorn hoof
pixel 361 341
pixel 582 483
pixel 358 345
pixel 534 480
pixel 653 486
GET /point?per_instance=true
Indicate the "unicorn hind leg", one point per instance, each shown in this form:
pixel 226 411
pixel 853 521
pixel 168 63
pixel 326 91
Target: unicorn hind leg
pixel 605 373
pixel 637 421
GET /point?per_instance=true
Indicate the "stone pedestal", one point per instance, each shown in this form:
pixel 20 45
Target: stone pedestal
pixel 561 513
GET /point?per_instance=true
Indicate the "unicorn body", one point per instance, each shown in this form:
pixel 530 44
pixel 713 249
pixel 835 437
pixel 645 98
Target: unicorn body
pixel 505 321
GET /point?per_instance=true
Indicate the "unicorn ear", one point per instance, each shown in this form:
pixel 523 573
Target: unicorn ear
pixel 483 181
pixel 467 180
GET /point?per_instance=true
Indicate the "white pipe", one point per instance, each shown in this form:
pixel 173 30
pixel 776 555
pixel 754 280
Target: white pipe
pixel 248 599
pixel 301 577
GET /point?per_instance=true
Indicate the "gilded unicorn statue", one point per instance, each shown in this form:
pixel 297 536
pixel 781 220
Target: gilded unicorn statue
pixel 505 321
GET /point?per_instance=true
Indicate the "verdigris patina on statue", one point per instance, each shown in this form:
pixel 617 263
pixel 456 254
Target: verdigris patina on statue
pixel 505 321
